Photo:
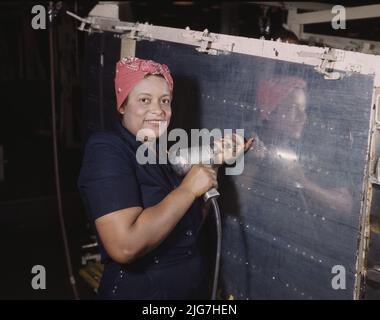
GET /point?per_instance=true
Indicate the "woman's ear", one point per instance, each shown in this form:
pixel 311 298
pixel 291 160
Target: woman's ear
pixel 121 109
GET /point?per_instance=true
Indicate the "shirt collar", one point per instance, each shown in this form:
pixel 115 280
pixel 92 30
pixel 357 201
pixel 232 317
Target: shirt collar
pixel 128 136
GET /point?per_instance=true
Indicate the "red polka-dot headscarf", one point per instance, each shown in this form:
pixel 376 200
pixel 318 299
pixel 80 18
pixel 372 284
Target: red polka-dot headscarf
pixel 130 70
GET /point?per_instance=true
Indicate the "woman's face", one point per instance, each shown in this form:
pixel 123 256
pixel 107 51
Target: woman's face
pixel 148 107
pixel 290 117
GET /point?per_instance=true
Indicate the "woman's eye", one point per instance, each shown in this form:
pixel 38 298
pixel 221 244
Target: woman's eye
pixel 166 101
pixel 145 100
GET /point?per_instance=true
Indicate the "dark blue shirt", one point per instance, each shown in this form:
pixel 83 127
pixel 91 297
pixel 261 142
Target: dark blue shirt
pixel 111 179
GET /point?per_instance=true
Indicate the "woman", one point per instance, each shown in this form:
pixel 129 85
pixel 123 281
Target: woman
pixel 146 217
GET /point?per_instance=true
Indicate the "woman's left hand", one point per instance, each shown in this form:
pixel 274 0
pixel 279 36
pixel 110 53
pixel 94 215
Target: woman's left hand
pixel 231 147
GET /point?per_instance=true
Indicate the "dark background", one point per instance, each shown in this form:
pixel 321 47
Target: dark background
pixel 29 223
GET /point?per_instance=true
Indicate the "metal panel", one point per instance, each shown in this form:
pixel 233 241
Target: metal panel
pixel 287 223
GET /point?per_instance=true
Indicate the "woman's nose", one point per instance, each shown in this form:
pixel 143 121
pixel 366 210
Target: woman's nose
pixel 156 107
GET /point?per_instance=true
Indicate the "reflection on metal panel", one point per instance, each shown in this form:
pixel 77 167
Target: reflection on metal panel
pixel 294 214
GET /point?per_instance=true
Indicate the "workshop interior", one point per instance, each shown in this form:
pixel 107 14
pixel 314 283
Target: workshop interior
pixel 302 222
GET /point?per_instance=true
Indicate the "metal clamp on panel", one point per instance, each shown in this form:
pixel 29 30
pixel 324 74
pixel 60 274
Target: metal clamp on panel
pixel 205 38
pixel 138 31
pixel 208 42
pixel 327 59
pixel 93 27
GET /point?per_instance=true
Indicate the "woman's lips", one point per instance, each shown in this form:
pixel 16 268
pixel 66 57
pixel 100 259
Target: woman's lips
pixel 156 123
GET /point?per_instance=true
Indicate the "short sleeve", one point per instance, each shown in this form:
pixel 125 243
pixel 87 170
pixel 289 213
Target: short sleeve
pixel 107 181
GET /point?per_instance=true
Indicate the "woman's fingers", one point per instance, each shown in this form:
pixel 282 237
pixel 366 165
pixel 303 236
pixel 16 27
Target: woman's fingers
pixel 248 144
pixel 229 148
pixel 213 176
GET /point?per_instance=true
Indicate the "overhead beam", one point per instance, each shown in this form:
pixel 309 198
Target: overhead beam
pixel 312 6
pixel 350 44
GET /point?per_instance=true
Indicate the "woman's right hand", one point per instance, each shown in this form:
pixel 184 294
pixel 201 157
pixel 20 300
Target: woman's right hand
pixel 200 179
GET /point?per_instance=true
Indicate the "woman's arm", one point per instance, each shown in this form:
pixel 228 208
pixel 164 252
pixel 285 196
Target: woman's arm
pixel 132 232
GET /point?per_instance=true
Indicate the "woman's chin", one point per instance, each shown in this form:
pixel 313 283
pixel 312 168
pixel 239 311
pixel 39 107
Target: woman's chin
pixel 157 129
pixel 150 133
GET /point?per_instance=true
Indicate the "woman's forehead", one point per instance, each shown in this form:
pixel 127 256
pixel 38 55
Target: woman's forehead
pixel 153 85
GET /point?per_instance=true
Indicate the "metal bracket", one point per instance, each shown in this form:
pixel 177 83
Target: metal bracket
pixel 205 38
pixel 327 61
pixel 90 21
pixel 208 42
pixel 137 31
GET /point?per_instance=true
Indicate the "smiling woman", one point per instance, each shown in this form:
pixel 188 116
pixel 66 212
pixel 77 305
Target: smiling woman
pixel 147 218
pixel 148 106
